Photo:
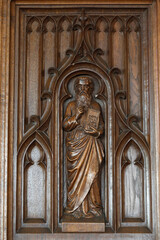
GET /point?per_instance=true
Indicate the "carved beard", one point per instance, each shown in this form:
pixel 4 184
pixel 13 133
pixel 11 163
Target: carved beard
pixel 83 100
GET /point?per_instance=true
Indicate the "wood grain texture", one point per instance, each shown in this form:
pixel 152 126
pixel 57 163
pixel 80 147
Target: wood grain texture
pixel 3 192
pixel 102 37
pixel 157 119
pixel 86 2
pixel 134 66
pixel 35 183
pixel 4 110
pixel 102 65
pixel 84 236
pixel 33 72
pixel 133 183
pixel 156 74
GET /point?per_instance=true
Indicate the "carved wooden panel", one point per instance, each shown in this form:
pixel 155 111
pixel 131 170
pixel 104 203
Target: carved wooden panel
pixel 56 45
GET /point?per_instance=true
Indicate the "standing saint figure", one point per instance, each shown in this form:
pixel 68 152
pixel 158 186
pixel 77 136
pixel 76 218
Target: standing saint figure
pixel 84 151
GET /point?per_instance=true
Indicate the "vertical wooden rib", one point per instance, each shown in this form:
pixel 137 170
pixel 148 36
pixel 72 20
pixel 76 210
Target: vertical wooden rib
pixel 32 103
pixel 102 36
pixel 65 37
pixel 118 49
pixel 48 47
pixel 49 51
pixel 65 42
pixel 134 67
pixel 117 29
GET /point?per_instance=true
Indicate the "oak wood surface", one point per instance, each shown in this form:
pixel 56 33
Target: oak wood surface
pixel 86 2
pixel 4 113
pixel 31 28
pixel 4 110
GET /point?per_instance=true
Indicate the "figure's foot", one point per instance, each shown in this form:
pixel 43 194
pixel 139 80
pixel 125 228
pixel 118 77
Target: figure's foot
pixel 97 212
pixel 89 215
pixel 77 214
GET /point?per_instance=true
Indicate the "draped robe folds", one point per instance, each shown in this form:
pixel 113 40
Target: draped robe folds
pixel 84 154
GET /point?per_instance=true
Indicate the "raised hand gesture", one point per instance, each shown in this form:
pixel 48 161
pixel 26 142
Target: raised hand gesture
pixel 79 112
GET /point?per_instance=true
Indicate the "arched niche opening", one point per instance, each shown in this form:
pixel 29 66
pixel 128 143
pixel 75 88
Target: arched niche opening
pixel 34 177
pixel 133 183
pixel 103 93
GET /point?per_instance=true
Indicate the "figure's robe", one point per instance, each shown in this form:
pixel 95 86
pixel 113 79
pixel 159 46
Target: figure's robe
pixel 84 154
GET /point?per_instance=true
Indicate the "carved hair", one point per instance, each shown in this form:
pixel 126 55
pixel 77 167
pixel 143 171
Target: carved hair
pixel 84 79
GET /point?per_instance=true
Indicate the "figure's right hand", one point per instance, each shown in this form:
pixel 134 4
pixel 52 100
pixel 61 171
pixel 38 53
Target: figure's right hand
pixel 79 112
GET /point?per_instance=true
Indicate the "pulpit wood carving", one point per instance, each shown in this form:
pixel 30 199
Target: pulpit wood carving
pixel 76 64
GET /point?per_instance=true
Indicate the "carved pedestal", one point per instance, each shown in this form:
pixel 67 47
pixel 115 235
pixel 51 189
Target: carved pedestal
pixel 70 224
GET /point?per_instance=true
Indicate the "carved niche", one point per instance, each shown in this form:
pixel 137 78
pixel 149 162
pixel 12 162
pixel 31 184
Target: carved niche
pixel 108 46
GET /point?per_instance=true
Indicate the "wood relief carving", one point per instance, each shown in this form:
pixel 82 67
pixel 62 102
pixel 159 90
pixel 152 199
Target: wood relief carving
pixel 132 178
pixel 81 170
pixel 84 152
pixel 134 69
pixel 35 167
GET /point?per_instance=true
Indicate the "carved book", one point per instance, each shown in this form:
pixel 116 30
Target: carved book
pixel 92 119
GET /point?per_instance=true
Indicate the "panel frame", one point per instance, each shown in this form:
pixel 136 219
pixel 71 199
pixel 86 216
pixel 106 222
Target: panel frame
pixel 6 107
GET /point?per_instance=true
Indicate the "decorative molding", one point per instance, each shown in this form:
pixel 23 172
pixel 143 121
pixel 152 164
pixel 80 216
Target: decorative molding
pixel 5 110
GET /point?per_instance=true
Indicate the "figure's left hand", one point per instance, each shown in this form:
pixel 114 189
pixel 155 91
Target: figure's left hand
pixel 94 132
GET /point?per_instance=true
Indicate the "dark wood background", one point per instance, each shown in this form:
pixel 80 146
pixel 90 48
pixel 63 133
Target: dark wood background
pixel 53 45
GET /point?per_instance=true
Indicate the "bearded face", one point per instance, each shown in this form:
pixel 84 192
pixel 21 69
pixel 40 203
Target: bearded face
pixel 83 95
